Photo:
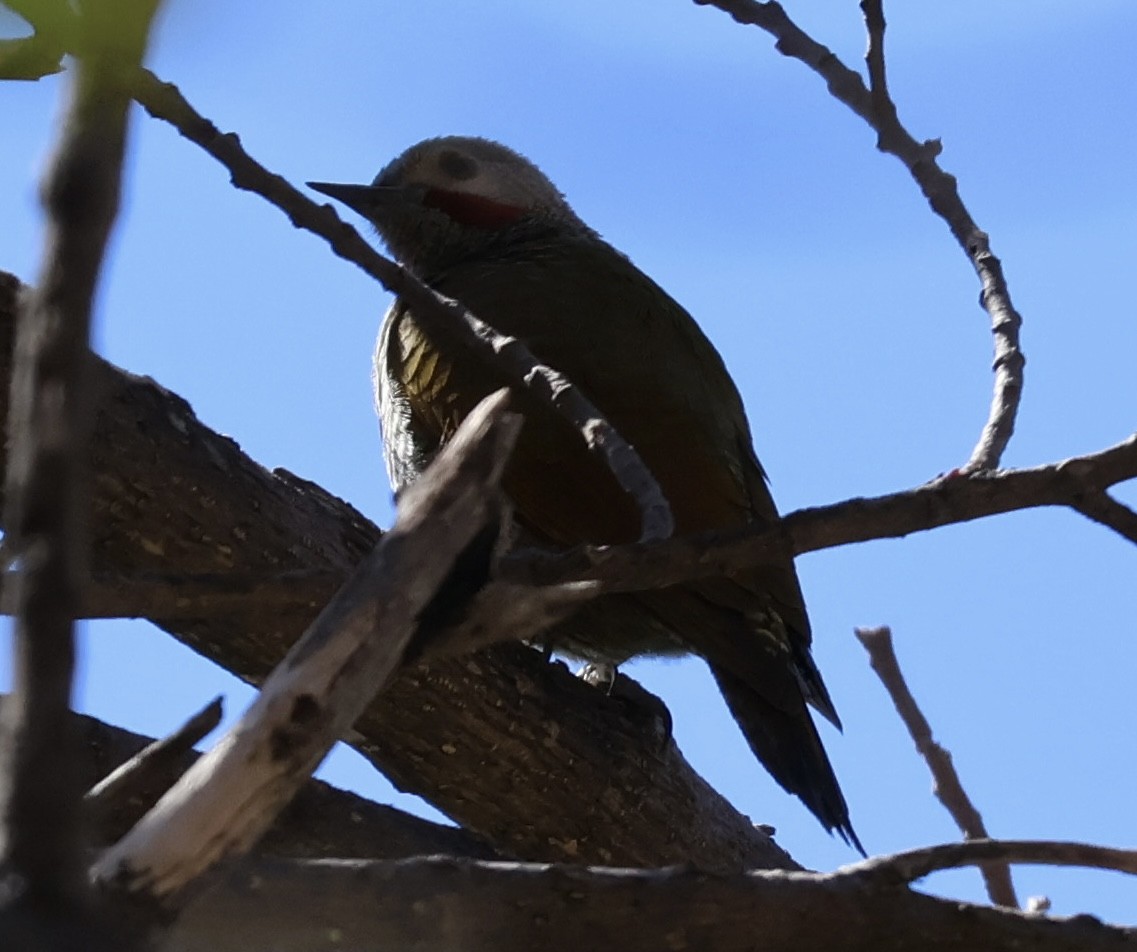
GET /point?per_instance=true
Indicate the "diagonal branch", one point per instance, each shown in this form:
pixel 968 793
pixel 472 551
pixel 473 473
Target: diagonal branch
pixel 1102 508
pixel 138 774
pixel 321 821
pixel 229 797
pixel 945 779
pixel 938 187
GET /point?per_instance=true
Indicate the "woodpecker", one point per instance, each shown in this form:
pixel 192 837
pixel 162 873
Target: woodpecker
pixel 480 223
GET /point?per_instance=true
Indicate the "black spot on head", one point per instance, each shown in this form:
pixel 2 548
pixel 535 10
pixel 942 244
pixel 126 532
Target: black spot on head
pixel 457 165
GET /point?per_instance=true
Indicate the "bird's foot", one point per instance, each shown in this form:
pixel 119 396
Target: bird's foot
pixel 600 674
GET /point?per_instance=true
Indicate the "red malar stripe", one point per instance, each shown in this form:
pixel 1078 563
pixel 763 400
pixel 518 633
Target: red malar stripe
pixel 473 209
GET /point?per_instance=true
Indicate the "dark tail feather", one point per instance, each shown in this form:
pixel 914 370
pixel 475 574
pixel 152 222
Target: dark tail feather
pixel 788 746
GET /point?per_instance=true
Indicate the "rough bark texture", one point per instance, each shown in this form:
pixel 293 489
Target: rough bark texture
pixel 515 749
pixel 439 553
pixel 441 903
pixel 321 821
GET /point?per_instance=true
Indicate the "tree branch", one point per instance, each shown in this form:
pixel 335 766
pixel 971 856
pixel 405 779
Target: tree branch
pixel 1102 508
pixel 947 501
pixel 587 776
pixel 577 575
pixel 229 797
pixel 909 866
pixel 946 784
pixel 321 821
pixel 938 187
pixel 441 904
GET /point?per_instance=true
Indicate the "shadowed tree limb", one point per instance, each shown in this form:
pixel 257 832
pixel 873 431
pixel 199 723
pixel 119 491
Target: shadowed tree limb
pixel 550 768
pixel 229 797
pixel 439 903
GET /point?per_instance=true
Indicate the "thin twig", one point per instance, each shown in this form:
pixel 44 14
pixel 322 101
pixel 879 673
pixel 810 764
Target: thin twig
pixel 907 867
pixel 157 758
pixel 439 315
pixel 938 187
pixel 945 779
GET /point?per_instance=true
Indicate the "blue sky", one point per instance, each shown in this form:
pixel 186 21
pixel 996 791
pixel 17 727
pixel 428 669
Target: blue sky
pixel 842 306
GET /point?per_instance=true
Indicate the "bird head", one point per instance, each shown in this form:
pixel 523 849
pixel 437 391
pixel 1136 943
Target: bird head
pixel 447 199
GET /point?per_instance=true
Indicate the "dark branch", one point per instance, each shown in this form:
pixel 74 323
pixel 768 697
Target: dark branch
pixel 441 903
pixel 945 780
pixel 947 501
pixel 1102 508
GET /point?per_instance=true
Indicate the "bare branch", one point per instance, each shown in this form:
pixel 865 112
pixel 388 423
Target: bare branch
pixel 937 186
pixel 43 900
pixel 1102 508
pixel 907 867
pixel 356 644
pixel 946 501
pixel 139 772
pixel 443 904
pixel 946 784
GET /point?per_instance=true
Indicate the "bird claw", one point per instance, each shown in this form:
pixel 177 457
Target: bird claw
pixel 600 674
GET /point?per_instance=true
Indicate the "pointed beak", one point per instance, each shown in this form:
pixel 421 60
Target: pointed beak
pixel 370 200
